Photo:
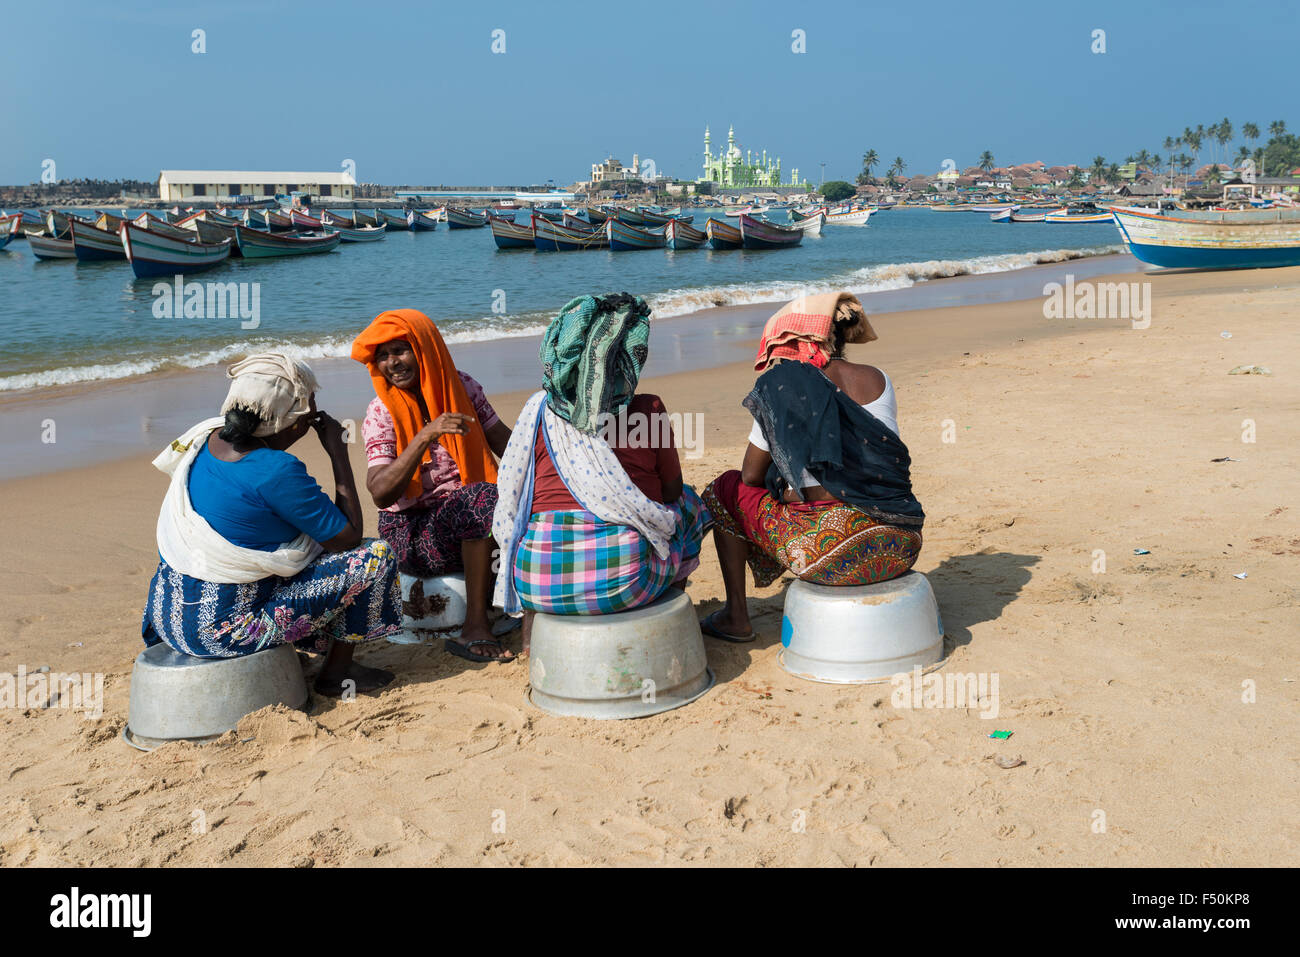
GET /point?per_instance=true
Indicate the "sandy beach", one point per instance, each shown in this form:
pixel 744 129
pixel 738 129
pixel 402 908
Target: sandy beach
pixel 1037 444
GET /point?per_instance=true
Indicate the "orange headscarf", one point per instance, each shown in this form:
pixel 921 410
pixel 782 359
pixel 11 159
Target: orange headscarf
pixel 439 384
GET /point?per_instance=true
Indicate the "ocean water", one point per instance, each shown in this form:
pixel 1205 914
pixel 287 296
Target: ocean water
pixel 72 322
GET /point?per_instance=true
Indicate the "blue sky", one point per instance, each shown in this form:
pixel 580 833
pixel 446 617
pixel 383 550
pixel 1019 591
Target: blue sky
pixel 413 93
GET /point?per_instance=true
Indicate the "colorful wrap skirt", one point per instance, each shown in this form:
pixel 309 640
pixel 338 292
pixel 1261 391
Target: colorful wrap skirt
pixel 826 543
pixel 572 563
pixel 352 596
pixel 427 540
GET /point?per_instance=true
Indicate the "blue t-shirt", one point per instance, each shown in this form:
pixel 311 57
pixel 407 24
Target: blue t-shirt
pixel 263 500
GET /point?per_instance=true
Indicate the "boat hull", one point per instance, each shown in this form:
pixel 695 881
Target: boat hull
pixel 460 219
pixel 680 235
pixel 627 238
pixel 43 247
pixel 422 223
pixel 723 235
pixel 255 244
pixel 550 236
pixel 92 244
pixel 394 223
pixel 510 235
pixel 1262 240
pixel 153 254
pixel 757 234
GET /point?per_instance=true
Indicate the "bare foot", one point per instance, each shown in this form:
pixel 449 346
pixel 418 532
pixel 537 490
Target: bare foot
pixel 358 679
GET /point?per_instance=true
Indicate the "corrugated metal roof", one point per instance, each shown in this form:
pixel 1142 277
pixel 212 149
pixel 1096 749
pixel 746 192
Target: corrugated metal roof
pixel 255 176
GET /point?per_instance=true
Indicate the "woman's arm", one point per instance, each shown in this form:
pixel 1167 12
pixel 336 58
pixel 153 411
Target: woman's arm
pixel 386 483
pixel 330 431
pixel 498 437
pixel 753 471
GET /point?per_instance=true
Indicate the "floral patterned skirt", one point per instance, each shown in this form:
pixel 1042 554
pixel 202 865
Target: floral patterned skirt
pixel 826 543
pixel 427 540
pixel 352 596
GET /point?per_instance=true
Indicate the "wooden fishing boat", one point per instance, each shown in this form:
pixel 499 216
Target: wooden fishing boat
pixel 9 228
pixel 656 218
pixel 596 215
pixel 153 254
pixel 423 222
pixel 209 232
pixel 554 215
pixel 278 222
pixel 92 244
pixel 56 223
pixel 330 218
pixel 624 237
pixel 220 218
pixel 556 237
pixel 1066 216
pixel 760 234
pixel 397 221
pixel 577 222
pixel 32 224
pixel 723 235
pixel 631 217
pixel 1001 215
pixel 854 217
pixel 363 218
pixel 151 222
pixel 682 235
pixel 811 225
pixel 358 234
pixel 304 223
pixel 1246 239
pixel 257 244
pixel 1019 217
pixel 808 212
pixel 465 219
pixel 47 247
pixel 511 235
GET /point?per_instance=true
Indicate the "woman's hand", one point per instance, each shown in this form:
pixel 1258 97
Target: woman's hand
pixel 330 430
pixel 449 423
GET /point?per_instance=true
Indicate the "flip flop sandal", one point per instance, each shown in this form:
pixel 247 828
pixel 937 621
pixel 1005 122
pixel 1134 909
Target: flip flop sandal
pixel 463 650
pixel 713 631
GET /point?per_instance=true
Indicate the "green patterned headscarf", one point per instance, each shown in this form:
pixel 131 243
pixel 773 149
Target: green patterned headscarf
pixel 592 355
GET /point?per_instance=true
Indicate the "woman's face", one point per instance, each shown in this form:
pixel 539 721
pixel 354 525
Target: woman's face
pixel 397 362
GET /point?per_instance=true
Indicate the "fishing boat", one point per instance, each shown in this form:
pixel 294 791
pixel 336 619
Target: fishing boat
pixel 1001 215
pixel 465 219
pixel 363 218
pixel 330 218
pixel 1068 216
pixel 554 215
pixel 1247 239
pixel 853 217
pixel 277 222
pixel 656 218
pixel 811 225
pixel 630 217
pixel 737 212
pixel 511 235
pixel 992 207
pixel 257 244
pixel 1018 217
pixel 92 244
pixel 624 237
pixel 723 235
pixel 32 223
pixel 9 228
pixel 397 221
pixel 153 254
pixel 47 247
pixel 597 215
pixel 760 234
pixel 423 222
pixel 552 237
pixel 358 234
pixel 56 223
pixel 577 222
pixel 222 219
pixel 209 232
pixel 808 212
pixel 682 235
pixel 304 223
pixel 148 221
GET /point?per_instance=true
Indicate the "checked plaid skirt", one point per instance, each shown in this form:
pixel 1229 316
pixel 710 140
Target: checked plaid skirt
pixel 571 563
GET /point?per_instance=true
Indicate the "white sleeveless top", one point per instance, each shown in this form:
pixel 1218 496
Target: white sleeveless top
pixel 885 408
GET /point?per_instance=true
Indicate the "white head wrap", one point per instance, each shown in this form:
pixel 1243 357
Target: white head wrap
pixel 272 386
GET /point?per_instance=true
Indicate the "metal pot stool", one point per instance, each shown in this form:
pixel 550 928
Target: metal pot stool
pixel 860 634
pixel 179 697
pixel 627 665
pixel 430 604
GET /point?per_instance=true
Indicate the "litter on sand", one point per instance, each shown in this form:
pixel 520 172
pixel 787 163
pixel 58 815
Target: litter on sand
pixel 1226 335
pixel 1141 551
pixel 1250 370
pixel 1008 763
pixel 1239 575
pixel 1001 735
pixel 1225 458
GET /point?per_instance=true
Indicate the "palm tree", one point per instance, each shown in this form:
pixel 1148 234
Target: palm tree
pixel 1112 174
pixel 986 161
pixel 1098 169
pixel 1224 136
pixel 1142 159
pixel 1277 127
pixel 869 161
pixel 898 166
pixel 1076 178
